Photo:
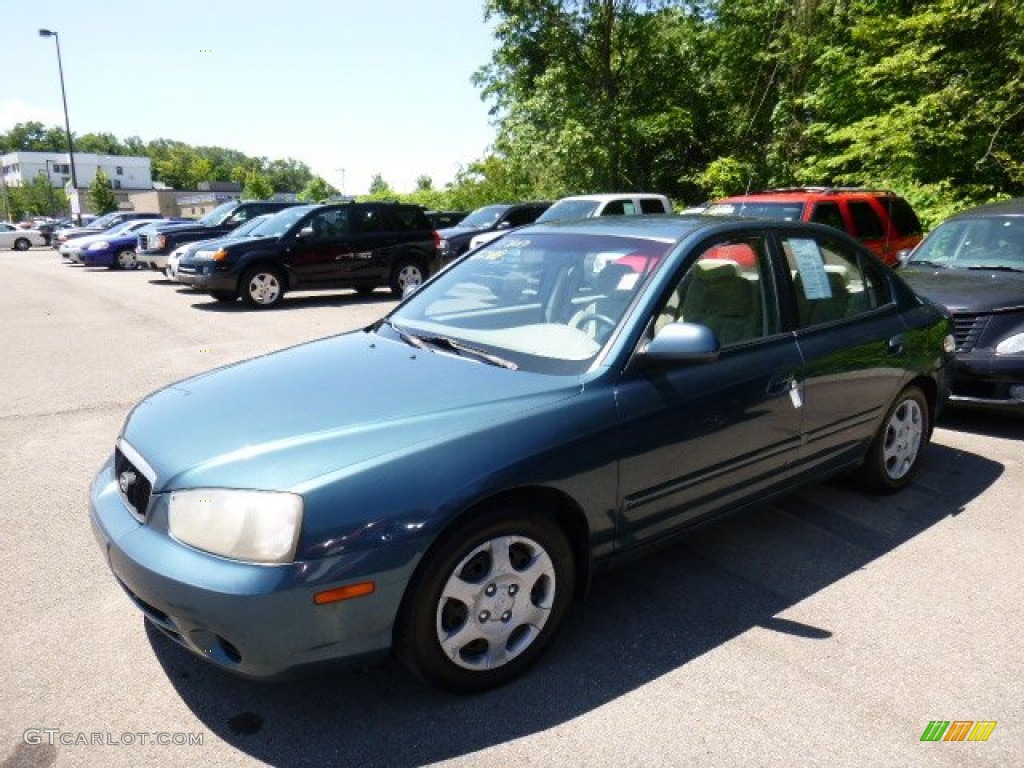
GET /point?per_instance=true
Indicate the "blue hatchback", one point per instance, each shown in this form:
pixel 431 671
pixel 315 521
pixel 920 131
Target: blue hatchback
pixel 442 483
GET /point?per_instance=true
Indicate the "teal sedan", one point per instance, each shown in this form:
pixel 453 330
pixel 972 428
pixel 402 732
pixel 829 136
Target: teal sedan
pixel 442 484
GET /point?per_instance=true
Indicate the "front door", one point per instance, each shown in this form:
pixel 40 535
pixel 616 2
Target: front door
pixel 703 435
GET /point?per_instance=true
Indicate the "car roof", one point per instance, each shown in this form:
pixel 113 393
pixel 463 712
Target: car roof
pixel 803 193
pixel 674 228
pixel 606 196
pixel 1014 207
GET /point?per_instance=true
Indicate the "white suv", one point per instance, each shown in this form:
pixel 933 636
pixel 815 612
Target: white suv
pixel 588 206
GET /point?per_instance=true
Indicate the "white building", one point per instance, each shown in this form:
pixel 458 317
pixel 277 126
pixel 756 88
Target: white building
pixel 124 171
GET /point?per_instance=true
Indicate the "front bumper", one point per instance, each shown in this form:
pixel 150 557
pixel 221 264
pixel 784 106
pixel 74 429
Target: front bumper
pixel 255 620
pixel 103 258
pixel 982 378
pixel 202 277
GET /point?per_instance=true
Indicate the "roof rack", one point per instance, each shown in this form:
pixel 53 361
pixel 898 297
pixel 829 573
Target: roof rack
pixel 831 190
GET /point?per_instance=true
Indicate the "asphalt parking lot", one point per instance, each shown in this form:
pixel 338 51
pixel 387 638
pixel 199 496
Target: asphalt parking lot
pixel 827 629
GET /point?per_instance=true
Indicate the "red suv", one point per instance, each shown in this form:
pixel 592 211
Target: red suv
pixel 880 219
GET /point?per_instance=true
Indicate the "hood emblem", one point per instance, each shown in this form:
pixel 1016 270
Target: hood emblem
pixel 126 481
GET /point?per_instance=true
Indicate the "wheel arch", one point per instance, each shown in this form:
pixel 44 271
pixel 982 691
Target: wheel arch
pixel 548 501
pixel 930 389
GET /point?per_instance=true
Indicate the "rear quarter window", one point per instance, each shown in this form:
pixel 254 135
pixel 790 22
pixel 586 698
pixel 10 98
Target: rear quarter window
pixel 903 217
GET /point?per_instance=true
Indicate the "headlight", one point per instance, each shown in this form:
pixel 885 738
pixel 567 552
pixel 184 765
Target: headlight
pixel 203 255
pixel 1011 345
pixel 102 245
pixel 258 526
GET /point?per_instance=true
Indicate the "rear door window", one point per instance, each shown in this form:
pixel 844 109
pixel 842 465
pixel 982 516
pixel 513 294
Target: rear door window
pixel 652 205
pixel 865 220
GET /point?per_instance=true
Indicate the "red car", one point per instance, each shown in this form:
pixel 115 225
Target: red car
pixel 880 219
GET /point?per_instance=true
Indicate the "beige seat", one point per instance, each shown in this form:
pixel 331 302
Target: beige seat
pixel 716 294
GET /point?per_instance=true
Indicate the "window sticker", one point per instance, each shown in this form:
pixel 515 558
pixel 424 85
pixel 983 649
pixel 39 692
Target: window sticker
pixel 811 267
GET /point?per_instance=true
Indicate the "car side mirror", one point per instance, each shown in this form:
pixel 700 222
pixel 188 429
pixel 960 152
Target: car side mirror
pixel 682 343
pixel 503 225
pixel 304 233
pixel 903 256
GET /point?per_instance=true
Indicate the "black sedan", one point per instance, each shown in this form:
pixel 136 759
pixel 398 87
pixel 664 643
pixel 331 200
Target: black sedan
pixel 594 387
pixel 973 264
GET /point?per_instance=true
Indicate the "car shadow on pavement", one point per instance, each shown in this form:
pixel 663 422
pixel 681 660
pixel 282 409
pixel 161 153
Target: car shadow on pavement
pixel 984 422
pixel 640 621
pixel 293 302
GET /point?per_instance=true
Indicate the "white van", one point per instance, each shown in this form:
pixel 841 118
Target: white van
pixel 588 206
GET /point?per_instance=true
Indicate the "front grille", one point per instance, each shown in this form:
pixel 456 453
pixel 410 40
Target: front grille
pixel 134 486
pixel 967 329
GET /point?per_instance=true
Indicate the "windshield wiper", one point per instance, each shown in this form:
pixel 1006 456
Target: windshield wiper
pixel 460 348
pixel 997 268
pixel 408 338
pixel 923 263
pixel 443 342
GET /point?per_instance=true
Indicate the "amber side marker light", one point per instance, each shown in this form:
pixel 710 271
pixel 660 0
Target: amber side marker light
pixel 344 593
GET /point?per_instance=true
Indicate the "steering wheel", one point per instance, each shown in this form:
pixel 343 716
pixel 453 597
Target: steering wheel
pixel 580 320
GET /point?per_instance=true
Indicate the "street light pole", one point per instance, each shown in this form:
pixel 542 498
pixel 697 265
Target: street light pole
pixel 67 124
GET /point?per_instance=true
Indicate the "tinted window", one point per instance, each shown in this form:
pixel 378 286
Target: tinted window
pixel 903 217
pixel 728 290
pixel 368 220
pixel 408 218
pixel 519 217
pixel 615 208
pixel 865 220
pixel 828 214
pixel 830 281
pixel 650 205
pixel 788 211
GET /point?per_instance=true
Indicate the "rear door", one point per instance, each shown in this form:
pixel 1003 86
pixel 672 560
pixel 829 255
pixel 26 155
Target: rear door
pixel 838 302
pixel 703 435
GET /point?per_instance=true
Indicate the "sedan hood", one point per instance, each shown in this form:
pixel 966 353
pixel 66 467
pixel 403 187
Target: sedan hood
pixel 282 420
pixel 967 290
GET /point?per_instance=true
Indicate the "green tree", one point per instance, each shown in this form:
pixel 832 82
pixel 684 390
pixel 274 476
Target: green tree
pixel 380 189
pixel 101 194
pixel 256 186
pixel 316 190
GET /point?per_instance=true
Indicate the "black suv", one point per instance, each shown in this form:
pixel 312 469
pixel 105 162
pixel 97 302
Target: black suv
pixel 161 240
pixel 314 247
pixel 490 218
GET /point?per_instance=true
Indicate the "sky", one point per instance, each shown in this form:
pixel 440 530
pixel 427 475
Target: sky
pixel 350 87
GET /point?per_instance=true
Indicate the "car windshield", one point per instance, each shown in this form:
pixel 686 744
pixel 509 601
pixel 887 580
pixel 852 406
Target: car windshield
pixel 104 221
pixel 983 243
pixel 246 229
pixel 545 302
pixel 758 210
pixel 216 217
pixel 126 226
pixel 280 222
pixel 569 209
pixel 483 217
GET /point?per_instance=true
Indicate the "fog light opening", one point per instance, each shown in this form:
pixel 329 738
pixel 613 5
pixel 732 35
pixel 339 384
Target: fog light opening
pixel 229 650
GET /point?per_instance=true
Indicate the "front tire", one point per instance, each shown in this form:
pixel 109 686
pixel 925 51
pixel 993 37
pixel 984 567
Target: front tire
pixel 262 287
pixel 895 453
pixel 487 601
pixel 126 259
pixel 405 274
pixel 22 244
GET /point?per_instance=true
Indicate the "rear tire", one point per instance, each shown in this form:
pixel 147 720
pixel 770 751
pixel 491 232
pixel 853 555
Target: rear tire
pixel 262 286
pixel 125 259
pixel 486 601
pixel 22 244
pixel 895 453
pixel 406 273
